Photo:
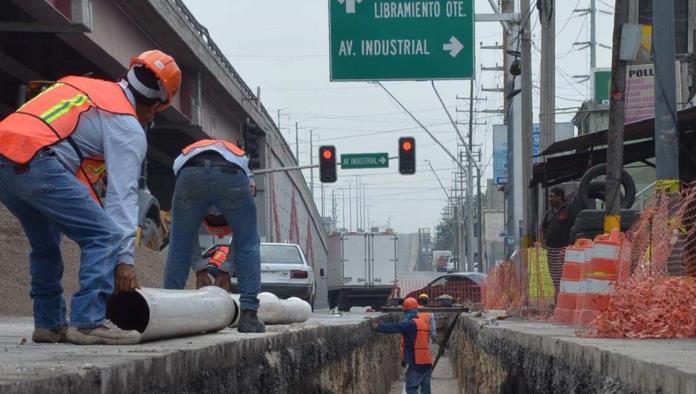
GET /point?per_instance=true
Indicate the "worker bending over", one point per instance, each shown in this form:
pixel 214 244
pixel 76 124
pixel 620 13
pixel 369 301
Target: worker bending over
pixel 215 174
pixel 45 149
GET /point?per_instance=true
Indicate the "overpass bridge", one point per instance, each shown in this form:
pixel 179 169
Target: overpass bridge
pixel 47 39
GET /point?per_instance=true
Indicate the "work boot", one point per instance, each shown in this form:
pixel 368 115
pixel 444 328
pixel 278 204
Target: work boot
pixel 105 334
pixel 203 279
pixel 223 281
pixel 45 335
pixel 249 322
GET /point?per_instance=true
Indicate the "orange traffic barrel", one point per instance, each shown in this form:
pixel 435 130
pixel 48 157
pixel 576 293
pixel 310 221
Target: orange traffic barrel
pixel 601 274
pixel 571 279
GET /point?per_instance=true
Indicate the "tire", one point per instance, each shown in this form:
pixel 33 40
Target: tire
pixel 584 188
pixel 343 303
pixel 150 236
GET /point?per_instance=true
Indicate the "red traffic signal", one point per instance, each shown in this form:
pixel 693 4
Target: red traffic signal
pixel 407 155
pixel 327 164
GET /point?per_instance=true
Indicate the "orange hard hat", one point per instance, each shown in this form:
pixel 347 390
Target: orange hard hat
pixel 410 303
pixel 165 69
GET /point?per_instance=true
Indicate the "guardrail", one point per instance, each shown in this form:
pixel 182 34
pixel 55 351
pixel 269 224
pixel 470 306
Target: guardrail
pixel 203 33
pixel 642 195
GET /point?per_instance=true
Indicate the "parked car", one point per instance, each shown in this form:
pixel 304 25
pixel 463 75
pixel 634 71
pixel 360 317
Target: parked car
pixel 450 264
pixel 285 272
pixel 463 287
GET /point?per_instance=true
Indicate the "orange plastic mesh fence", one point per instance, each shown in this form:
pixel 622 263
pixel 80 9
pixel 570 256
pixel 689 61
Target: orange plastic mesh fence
pixel 527 284
pixel 655 293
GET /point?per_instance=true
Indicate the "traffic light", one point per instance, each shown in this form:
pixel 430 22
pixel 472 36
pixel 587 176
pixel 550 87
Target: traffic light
pixel 407 155
pixel 251 144
pixel 327 163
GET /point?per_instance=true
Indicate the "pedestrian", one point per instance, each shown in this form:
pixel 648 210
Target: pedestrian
pixel 555 227
pixel 48 150
pixel 215 174
pixel 427 317
pixel 415 350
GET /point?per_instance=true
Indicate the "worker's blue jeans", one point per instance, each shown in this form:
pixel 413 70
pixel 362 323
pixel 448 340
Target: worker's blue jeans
pixel 197 190
pixel 48 201
pixel 418 377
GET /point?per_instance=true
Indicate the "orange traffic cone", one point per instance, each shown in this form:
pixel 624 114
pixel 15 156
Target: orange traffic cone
pixel 570 281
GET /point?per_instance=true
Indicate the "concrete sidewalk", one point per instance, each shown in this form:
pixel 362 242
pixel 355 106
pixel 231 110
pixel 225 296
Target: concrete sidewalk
pixel 319 354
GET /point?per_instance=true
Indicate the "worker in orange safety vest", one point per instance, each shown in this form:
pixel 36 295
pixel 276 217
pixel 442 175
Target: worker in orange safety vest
pixel 427 317
pixel 415 347
pixel 47 152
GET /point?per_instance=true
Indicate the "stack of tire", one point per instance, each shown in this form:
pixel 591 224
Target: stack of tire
pixel 590 221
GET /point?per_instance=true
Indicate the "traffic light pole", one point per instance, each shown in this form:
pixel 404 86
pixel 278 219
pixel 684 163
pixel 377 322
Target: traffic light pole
pixel 281 169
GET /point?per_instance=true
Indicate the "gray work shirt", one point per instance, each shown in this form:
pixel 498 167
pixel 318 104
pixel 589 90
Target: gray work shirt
pixel 121 141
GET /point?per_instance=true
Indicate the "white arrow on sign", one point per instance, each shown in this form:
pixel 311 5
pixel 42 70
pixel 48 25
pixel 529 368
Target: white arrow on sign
pixel 382 160
pixel 453 46
pixel 350 5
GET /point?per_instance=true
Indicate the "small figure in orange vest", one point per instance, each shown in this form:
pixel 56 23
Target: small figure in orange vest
pixel 427 317
pixel 415 348
pixel 50 150
pixel 215 174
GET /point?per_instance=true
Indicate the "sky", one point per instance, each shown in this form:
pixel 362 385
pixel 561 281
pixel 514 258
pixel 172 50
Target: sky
pixel 283 48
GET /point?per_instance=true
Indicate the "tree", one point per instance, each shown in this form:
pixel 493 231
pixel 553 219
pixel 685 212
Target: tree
pixel 444 238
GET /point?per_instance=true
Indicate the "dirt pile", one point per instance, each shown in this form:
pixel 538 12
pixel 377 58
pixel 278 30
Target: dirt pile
pixel 14 268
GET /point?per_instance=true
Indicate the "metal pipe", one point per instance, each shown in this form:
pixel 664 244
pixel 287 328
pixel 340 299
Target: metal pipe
pixel 160 313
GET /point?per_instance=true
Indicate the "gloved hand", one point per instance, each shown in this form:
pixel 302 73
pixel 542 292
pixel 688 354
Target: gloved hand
pixel 126 279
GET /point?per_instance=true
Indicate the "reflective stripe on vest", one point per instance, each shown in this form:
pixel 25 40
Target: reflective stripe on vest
pixel 421 348
pixel 234 149
pixel 53 115
pixel 219 256
pixel 92 172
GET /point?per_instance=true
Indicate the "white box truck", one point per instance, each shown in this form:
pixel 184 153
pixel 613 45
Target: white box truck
pixel 362 269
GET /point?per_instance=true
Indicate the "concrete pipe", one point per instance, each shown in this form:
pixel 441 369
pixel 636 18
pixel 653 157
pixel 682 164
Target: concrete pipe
pixel 160 313
pixel 273 310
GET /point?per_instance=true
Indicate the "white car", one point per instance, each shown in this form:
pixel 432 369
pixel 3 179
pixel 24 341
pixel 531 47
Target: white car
pixel 285 272
pixel 450 264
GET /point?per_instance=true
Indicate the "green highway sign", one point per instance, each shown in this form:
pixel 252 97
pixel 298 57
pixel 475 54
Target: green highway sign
pixel 364 160
pixel 375 40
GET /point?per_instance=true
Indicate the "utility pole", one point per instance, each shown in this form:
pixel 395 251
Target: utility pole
pixel 297 143
pixel 479 261
pixel 350 206
pixel 343 208
pixel 470 183
pixel 615 136
pixel 593 33
pixel 311 163
pixel 528 214
pixel 666 126
pixel 547 82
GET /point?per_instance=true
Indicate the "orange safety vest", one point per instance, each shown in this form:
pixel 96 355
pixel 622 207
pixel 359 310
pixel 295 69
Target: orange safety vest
pixel 219 256
pixel 234 149
pixel 422 346
pixel 425 318
pixel 53 115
